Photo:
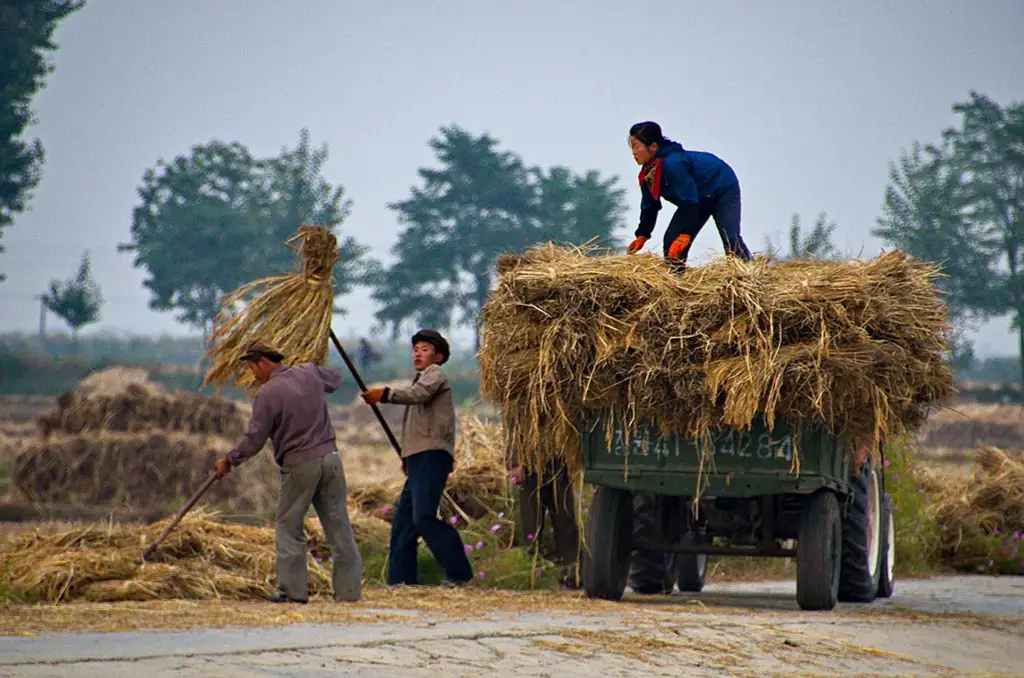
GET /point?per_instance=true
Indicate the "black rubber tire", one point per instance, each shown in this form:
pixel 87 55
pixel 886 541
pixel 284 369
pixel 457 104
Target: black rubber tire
pixel 858 580
pixel 609 536
pixel 819 552
pixel 887 556
pixel 650 572
pixel 691 568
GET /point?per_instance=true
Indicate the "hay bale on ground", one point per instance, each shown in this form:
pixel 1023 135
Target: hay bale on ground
pixel 113 380
pixel 143 470
pixel 857 347
pixel 139 408
pixel 201 560
pixel 991 503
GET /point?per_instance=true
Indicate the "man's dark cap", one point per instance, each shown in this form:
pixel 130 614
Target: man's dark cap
pixel 261 349
pixel 434 338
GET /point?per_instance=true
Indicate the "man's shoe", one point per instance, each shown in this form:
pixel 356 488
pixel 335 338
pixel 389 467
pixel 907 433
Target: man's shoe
pixel 282 597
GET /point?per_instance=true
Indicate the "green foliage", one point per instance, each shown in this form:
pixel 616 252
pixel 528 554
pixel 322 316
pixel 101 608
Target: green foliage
pixel 816 244
pixel 217 218
pixel 76 300
pixel 917 531
pixel 480 203
pixel 26 27
pixel 961 203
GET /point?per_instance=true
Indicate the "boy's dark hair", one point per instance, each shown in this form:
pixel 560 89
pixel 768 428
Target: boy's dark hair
pixel 649 132
pixel 434 338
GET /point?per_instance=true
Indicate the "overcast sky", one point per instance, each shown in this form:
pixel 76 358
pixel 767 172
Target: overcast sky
pixel 809 101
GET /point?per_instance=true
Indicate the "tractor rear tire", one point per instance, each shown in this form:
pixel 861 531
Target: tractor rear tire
pixel 862 546
pixel 887 560
pixel 609 536
pixel 819 552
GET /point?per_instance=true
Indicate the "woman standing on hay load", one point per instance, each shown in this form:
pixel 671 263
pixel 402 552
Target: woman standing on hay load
pixel 700 185
pixel 290 410
pixel 428 448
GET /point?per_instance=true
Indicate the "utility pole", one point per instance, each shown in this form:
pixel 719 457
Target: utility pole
pixel 42 315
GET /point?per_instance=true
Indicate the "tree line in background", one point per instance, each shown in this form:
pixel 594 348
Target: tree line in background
pixel 215 218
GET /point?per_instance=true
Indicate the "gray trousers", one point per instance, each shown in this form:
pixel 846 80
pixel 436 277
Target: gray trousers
pixel 320 482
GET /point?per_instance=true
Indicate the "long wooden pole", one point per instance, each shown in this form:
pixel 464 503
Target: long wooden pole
pixel 362 387
pixel 181 514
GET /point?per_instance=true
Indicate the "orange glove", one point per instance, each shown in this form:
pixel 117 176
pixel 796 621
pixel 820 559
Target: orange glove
pixel 373 395
pixel 678 246
pixel 636 245
pixel 223 467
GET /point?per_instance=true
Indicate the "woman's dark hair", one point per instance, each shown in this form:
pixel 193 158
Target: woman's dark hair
pixel 649 133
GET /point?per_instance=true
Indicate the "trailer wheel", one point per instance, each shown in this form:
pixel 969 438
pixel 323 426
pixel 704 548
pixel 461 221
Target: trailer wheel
pixel 887 561
pixel 691 568
pixel 651 572
pixel 819 552
pixel 609 544
pixel 862 531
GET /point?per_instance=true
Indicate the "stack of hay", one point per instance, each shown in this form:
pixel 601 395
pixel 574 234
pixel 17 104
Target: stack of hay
pixel 857 347
pixel 125 443
pixel 200 560
pixel 980 513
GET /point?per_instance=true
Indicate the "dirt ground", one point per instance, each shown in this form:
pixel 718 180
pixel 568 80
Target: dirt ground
pixel 955 626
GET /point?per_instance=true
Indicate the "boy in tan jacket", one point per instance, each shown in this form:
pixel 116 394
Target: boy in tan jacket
pixel 428 446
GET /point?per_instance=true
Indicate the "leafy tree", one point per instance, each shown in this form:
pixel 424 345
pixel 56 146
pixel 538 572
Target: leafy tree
pixel 961 203
pixel 817 244
pixel 217 218
pixel 76 300
pixel 480 203
pixel 26 35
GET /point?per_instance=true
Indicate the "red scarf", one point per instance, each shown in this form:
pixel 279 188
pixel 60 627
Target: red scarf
pixel 650 174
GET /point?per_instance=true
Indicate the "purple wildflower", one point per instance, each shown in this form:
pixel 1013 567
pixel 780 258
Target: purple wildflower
pixel 481 575
pixel 537 573
pixel 454 520
pixel 385 510
pixel 501 515
pixel 479 545
pixel 529 537
pixel 995 531
pixel 495 528
pixel 885 463
pixel 469 548
pixel 895 476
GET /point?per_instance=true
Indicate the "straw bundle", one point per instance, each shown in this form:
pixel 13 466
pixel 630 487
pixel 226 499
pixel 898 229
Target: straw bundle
pixel 292 312
pixel 140 408
pixel 991 503
pixel 856 347
pixel 149 470
pixel 200 560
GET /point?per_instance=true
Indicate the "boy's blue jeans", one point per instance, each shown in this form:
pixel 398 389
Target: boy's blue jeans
pixel 416 516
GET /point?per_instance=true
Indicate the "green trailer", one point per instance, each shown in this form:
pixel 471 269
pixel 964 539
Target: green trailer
pixel 753 501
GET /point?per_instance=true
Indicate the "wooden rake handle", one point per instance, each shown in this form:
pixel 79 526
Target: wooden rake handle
pixel 362 387
pixel 181 514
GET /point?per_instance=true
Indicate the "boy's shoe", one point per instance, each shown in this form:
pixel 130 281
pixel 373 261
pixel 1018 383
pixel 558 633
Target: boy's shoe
pixel 451 584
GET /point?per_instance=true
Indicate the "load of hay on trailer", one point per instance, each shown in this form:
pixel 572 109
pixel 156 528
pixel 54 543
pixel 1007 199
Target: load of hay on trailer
pixel 726 411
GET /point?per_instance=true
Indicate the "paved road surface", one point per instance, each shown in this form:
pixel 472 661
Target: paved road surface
pixel 952 626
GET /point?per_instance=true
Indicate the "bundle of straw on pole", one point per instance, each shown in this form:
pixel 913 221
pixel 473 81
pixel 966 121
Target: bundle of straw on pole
pixel 857 347
pixel 292 312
